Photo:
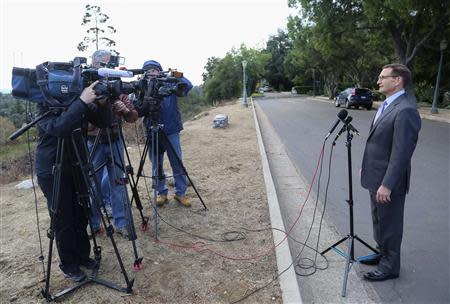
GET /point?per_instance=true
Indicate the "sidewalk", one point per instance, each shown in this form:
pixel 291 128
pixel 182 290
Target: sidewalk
pixel 324 286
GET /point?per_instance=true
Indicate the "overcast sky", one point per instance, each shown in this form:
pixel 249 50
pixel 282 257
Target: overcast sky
pixel 178 33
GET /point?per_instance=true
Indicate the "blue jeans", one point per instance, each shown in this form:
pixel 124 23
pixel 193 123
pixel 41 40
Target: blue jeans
pixel 116 194
pixel 177 169
pixel 106 190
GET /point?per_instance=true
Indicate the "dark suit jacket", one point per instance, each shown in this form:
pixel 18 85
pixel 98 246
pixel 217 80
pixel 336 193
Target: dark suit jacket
pixel 390 146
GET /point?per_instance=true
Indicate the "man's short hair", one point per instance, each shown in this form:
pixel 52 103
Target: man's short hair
pixel 99 55
pixel 401 70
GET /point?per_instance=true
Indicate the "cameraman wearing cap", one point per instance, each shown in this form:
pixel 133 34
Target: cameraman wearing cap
pixel 170 119
pixel 111 156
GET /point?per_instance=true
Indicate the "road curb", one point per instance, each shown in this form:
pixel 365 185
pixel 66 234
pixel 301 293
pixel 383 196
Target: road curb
pixel 288 281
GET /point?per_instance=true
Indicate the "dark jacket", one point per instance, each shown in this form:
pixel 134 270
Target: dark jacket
pixel 130 116
pixel 61 125
pixel 390 146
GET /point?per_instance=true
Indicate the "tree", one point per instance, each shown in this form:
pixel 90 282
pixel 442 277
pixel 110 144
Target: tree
pixel 224 82
pixel 223 79
pixel 409 23
pixel 211 64
pixel 278 47
pixel 97 31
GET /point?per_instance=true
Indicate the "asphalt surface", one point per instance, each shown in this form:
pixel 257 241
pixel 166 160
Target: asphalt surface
pixel 302 124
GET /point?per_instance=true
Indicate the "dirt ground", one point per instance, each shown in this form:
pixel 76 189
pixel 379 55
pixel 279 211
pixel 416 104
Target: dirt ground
pixel 225 167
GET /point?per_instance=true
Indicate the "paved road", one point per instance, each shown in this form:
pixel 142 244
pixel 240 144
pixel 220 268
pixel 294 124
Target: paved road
pixel 302 124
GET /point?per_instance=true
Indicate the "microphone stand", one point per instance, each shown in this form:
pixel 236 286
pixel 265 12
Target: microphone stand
pixel 351 237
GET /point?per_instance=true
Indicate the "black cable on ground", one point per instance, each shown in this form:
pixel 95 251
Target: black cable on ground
pixel 314 262
pixel 228 236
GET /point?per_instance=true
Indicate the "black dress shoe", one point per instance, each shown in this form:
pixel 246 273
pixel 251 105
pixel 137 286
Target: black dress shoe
pixel 89 263
pixel 371 261
pixel 378 275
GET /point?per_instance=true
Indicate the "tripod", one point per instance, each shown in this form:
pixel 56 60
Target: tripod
pixel 152 141
pixel 116 162
pixel 78 151
pixel 351 237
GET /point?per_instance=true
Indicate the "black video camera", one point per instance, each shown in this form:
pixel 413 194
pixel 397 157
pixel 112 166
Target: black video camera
pixel 58 84
pixel 159 86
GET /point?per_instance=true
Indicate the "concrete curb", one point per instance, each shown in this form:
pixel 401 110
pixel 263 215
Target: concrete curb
pixel 288 280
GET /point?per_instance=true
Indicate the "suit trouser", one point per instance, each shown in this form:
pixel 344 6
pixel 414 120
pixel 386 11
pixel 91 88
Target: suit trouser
pixel 70 222
pixel 387 221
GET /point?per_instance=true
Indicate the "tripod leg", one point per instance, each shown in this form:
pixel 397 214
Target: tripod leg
pixel 367 245
pixel 156 175
pixel 169 145
pixel 130 175
pixel 54 206
pixel 119 148
pixel 87 170
pixel 335 244
pixel 348 262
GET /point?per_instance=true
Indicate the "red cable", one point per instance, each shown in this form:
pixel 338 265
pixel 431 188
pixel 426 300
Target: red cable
pixel 201 246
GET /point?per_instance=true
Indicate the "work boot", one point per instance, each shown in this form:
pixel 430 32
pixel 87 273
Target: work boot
pixel 161 199
pixel 183 200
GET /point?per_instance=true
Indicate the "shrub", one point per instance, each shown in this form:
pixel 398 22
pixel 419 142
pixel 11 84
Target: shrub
pixel 7 128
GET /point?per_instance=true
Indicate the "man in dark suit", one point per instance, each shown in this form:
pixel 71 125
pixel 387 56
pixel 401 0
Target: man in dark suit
pixel 386 167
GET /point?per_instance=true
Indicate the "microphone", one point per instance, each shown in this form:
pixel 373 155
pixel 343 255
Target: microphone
pixel 105 72
pixel 351 127
pixel 136 71
pixel 341 116
pixel 347 126
pixel 344 128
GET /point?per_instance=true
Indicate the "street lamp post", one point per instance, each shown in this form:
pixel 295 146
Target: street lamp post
pixel 314 82
pixel 442 47
pixel 244 81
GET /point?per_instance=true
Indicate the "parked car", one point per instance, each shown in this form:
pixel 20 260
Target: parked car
pixel 355 97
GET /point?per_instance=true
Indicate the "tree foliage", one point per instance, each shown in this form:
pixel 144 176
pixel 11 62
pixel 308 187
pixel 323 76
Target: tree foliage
pixel 347 42
pixel 14 109
pixel 278 47
pixel 98 30
pixel 7 128
pixel 224 77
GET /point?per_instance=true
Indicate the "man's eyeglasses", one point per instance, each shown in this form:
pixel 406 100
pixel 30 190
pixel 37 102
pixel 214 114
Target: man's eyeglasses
pixel 381 77
pixel 103 64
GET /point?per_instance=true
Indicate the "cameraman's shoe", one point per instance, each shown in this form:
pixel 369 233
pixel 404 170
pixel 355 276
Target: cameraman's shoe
pixel 183 200
pixel 89 263
pixel 122 231
pixel 96 231
pixel 161 199
pixel 74 273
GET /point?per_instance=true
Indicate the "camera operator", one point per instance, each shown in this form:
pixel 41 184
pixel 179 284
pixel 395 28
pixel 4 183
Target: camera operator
pixel 170 119
pixel 69 220
pixel 105 154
